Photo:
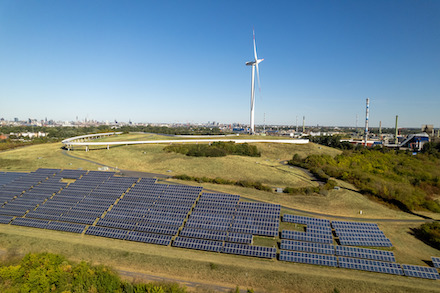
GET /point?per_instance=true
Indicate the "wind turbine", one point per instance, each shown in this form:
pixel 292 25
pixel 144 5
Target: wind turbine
pixel 254 65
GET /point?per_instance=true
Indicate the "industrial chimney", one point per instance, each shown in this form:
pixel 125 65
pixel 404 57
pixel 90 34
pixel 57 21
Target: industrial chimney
pixel 367 115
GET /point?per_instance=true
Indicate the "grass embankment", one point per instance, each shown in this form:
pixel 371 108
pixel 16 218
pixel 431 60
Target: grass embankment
pixel 260 274
pixel 48 155
pixel 266 169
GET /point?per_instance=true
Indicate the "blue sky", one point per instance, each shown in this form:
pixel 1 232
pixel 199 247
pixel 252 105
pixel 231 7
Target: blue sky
pixel 184 61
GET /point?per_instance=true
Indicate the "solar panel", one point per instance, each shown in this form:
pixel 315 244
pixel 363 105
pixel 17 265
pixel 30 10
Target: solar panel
pixel 35 223
pixel 199 244
pixel 107 232
pixel 5 219
pixel 309 258
pixel 307 247
pixel 370 265
pixel 249 250
pixel 303 236
pixel 436 261
pixel 372 254
pixel 68 227
pixel 420 272
pixel 149 238
pixel 305 220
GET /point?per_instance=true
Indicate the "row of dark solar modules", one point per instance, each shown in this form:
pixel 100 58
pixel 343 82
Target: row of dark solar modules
pixel 86 199
pixel 436 261
pixel 348 233
pixel 239 249
pixel 216 215
pixel 225 247
pixel 339 250
pixel 152 207
pixel 360 264
pixel 360 234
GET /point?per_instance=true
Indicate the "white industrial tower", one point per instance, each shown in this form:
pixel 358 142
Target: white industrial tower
pixel 254 65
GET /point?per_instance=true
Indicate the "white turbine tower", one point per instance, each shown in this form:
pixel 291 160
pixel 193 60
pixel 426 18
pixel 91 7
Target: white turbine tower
pixel 254 65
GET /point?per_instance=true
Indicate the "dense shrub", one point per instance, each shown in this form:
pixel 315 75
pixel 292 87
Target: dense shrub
pixel 430 233
pixel 409 182
pixel 45 272
pixel 216 149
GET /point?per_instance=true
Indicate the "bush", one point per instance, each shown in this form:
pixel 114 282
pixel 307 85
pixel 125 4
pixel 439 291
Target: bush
pixel 216 149
pixel 429 233
pixel 46 272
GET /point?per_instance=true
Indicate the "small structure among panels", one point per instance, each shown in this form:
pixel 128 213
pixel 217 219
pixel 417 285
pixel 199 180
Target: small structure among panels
pixel 420 272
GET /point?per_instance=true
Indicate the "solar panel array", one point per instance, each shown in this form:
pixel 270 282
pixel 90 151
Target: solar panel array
pixel 103 204
pixel 420 272
pixel 360 234
pixel 370 265
pixel 372 254
pixel 317 230
pixel 436 261
pixel 305 236
pixel 307 247
pixel 309 258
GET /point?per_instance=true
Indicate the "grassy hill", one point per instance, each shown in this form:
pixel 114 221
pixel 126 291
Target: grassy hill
pixel 260 274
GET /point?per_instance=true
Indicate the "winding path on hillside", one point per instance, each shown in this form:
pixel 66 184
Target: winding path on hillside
pixel 305 212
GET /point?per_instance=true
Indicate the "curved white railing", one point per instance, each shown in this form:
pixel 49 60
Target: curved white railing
pixel 81 141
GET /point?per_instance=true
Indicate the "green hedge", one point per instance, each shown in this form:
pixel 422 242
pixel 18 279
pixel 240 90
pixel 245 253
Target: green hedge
pixel 216 149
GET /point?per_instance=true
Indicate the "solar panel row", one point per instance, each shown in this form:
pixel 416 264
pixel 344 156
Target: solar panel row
pixel 309 258
pixel 305 220
pixel 436 261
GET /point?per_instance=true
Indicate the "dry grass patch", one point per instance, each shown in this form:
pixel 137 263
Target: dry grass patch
pixel 48 155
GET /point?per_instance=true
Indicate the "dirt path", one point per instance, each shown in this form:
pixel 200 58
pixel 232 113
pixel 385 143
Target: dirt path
pixel 192 285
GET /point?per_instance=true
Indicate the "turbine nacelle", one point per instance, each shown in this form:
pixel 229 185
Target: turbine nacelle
pixel 251 63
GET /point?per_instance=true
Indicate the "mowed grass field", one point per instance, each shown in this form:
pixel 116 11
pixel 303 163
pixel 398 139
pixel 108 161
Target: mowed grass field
pixel 206 267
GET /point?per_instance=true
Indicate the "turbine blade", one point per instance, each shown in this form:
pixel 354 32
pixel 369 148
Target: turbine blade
pixel 255 47
pixel 258 77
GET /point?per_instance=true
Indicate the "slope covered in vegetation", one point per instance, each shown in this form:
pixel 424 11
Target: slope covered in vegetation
pixel 407 181
pixel 46 272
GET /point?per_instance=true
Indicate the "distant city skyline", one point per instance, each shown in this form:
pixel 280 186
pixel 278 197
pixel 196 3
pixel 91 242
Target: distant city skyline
pixel 184 62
